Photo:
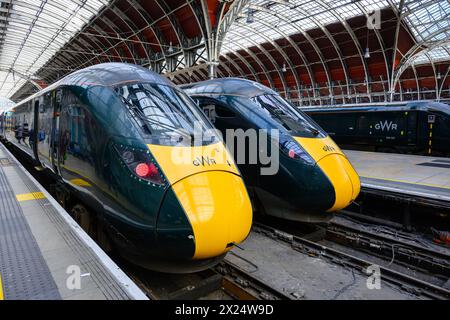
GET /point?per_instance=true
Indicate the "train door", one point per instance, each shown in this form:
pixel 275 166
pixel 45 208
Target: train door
pixel 363 130
pixel 1 124
pixel 35 129
pixel 441 133
pixel 411 127
pixel 56 104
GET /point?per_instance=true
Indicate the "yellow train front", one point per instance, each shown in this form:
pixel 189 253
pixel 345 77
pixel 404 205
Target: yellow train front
pixel 122 140
pixel 313 178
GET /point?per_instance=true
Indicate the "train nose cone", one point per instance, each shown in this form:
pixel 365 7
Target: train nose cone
pixel 335 165
pixel 343 177
pixel 218 208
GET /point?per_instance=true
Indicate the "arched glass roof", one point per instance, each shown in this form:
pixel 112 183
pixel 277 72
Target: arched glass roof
pixel 32 31
pixel 272 19
pixel 309 50
pixel 429 20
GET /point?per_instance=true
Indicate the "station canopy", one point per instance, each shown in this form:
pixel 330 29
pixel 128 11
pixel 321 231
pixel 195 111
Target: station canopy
pixel 311 51
pixel 428 20
pixel 32 31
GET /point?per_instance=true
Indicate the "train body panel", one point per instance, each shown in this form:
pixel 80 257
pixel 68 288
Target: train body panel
pixel 414 127
pixel 100 131
pixel 333 163
pixel 306 185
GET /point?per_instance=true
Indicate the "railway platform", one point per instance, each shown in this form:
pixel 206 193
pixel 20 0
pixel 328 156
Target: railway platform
pixel 44 254
pixel 411 175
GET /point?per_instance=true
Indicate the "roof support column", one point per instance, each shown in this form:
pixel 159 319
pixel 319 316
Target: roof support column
pixel 226 14
pixel 394 50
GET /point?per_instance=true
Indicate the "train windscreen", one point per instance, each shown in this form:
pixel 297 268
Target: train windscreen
pixel 295 121
pixel 166 115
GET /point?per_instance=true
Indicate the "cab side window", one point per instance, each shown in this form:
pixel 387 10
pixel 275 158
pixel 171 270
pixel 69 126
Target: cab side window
pixel 224 112
pixel 210 111
pixel 214 110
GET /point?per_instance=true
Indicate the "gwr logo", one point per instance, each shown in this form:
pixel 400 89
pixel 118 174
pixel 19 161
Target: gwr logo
pixel 328 148
pixel 386 125
pixel 203 161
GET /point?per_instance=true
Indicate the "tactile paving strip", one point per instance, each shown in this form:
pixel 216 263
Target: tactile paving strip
pixel 102 278
pixel 89 261
pixel 25 273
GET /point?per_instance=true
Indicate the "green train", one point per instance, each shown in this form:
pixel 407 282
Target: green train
pixel 111 135
pixel 314 178
pixel 417 127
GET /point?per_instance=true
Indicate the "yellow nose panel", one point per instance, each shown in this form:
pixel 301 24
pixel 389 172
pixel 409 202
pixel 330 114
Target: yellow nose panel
pixel 178 162
pixel 343 177
pixel 218 208
pixel 318 148
pixel 336 167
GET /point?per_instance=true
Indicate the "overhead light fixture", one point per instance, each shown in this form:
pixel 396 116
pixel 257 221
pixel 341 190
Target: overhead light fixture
pixel 170 48
pixel 438 75
pixel 250 18
pixel 283 69
pixel 367 53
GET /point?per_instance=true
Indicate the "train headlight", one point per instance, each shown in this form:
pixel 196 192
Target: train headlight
pixel 293 150
pixel 140 163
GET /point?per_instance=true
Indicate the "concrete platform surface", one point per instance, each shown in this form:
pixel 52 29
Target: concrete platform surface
pixel 417 175
pixel 44 254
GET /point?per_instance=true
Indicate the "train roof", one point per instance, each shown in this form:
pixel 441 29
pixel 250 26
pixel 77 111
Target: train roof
pixel 114 73
pixel 395 106
pixel 106 74
pixel 227 86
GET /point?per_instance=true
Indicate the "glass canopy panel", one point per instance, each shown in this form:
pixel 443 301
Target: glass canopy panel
pixel 429 20
pixel 291 17
pixel 35 31
pixel 5 104
pixel 437 54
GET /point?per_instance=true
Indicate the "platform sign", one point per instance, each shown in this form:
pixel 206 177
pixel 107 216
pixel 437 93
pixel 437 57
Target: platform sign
pixel 431 118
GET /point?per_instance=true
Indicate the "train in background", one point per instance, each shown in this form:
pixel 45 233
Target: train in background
pixel 107 134
pixel 416 127
pixel 314 178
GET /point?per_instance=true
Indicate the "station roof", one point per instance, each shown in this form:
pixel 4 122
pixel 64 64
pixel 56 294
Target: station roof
pixel 306 50
pixel 32 31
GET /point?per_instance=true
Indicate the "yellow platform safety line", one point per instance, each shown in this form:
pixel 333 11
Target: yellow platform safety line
pixel 407 182
pixel 1 288
pixel 80 183
pixel 30 196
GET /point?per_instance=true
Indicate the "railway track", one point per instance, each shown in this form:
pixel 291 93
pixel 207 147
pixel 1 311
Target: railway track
pixel 226 281
pixel 395 247
pixel 309 247
pixel 229 281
